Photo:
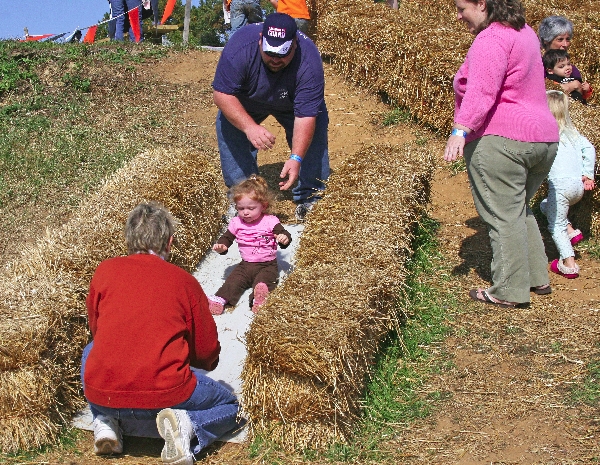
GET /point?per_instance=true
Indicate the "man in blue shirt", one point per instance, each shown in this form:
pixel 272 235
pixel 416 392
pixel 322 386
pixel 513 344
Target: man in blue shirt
pixel 272 69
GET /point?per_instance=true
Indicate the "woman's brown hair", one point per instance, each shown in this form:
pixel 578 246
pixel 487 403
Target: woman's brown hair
pixel 511 13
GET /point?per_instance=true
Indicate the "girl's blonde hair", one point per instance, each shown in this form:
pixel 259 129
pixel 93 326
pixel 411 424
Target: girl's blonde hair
pixel 558 102
pixel 256 188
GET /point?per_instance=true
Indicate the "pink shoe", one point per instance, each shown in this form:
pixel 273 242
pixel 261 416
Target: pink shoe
pixel 261 291
pixel 570 273
pixel 575 237
pixel 216 304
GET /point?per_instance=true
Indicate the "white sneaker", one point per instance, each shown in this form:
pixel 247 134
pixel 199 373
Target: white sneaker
pixel 176 429
pixel 108 438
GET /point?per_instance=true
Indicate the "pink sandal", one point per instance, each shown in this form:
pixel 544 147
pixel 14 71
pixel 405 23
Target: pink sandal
pixel 570 273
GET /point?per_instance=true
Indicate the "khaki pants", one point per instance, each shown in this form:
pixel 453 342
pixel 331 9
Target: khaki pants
pixel 504 176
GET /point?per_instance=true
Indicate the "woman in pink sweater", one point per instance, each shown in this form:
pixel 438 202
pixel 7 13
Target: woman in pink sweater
pixel 505 131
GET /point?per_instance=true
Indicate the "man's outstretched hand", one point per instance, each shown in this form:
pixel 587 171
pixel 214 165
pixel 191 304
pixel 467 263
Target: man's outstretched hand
pixel 291 169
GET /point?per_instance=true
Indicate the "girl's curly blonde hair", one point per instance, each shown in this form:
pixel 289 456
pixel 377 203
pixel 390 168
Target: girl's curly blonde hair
pixel 255 188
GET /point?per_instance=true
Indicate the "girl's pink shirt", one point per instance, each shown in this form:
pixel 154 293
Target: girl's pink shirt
pixel 256 240
pixel 500 88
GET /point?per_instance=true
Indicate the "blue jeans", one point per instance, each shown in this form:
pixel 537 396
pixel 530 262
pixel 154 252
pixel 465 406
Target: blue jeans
pixel 238 155
pixel 244 12
pixel 211 408
pixel 302 24
pixel 119 7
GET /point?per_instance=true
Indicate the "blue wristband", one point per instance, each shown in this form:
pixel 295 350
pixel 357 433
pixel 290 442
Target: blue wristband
pixel 295 157
pixel 458 132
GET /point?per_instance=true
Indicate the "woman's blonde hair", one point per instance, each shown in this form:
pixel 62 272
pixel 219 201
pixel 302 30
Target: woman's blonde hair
pixel 255 188
pixel 558 102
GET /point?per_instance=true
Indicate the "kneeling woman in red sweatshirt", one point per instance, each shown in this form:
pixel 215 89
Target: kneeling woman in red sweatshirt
pixel 152 331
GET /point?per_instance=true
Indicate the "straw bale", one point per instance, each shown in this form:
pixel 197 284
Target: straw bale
pixel 43 293
pixel 311 347
pixel 404 53
pixel 412 54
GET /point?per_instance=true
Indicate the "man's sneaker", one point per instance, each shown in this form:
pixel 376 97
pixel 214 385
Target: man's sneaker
pixel 108 438
pixel 216 304
pixel 261 291
pixel 303 209
pixel 176 429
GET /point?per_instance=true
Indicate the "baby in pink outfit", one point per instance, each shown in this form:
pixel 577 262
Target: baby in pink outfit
pixel 257 234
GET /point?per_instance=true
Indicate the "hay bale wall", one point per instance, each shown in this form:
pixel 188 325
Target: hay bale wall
pixel 311 346
pixel 411 55
pixel 42 294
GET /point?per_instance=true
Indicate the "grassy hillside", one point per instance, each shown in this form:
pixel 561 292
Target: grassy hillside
pixel 69 116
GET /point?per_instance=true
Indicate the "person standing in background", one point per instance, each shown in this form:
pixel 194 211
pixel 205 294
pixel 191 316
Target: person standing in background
pixel 504 129
pixel 242 12
pixel 119 9
pixel 112 24
pixel 297 9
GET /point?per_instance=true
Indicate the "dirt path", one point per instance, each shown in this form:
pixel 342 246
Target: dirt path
pixel 507 392
pixel 513 371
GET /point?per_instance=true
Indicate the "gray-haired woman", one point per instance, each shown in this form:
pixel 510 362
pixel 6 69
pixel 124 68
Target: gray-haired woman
pixel 556 33
pixel 153 334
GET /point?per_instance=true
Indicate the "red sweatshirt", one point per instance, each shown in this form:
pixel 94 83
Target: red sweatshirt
pixel 150 321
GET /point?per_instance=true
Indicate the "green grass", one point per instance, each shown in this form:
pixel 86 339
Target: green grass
pixel 406 360
pixel 67 442
pixel 53 150
pixel 396 116
pixel 458 166
pixel 592 246
pixel 589 391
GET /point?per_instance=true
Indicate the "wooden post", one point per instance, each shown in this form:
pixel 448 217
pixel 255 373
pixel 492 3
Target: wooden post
pixel 186 21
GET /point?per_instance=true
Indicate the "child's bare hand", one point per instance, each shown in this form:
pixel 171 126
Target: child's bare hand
pixel 588 184
pixel 282 239
pixel 220 248
pixel 571 86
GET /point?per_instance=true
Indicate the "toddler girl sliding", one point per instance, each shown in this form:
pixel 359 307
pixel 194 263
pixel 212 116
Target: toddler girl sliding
pixel 572 172
pixel 257 234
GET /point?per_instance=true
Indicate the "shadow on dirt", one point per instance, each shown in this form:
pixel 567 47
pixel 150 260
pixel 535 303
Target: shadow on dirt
pixel 476 252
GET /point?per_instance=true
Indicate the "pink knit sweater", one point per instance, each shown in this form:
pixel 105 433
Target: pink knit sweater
pixel 500 90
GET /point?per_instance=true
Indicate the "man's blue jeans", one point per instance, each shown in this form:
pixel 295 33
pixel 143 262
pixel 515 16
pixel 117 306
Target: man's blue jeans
pixel 211 408
pixel 238 155
pixel 119 7
pixel 244 12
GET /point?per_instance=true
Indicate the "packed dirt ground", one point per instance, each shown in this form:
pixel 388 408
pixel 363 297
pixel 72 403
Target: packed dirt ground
pixel 506 395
